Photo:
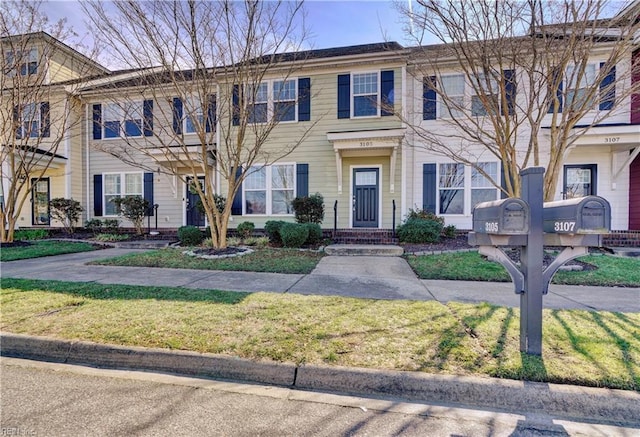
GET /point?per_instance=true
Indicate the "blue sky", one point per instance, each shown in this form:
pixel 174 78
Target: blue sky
pixel 333 23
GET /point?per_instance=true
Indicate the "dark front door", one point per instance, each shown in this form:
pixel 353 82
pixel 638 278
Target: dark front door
pixel 40 197
pixel 195 216
pixel 365 197
pixel 579 180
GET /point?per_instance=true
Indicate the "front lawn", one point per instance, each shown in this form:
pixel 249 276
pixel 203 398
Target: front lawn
pixel 579 347
pixel 471 266
pixel 262 260
pixel 36 249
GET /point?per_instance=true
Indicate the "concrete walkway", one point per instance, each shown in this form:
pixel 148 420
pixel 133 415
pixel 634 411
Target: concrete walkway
pixel 363 277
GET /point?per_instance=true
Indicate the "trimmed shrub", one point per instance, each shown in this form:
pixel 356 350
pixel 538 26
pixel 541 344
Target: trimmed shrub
pixel 315 233
pixel 111 225
pixel 111 237
pixel 309 209
pixel 190 236
pixel 245 229
pixel 294 234
pixel 66 211
pixel 134 208
pixel 423 214
pixel 417 230
pixel 449 231
pixel 272 228
pixel 93 225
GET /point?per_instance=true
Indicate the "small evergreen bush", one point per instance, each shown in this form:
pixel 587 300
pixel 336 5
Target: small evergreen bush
pixel 315 233
pixel 30 234
pixel 423 214
pixel 93 225
pixel 294 234
pixel 309 209
pixel 245 229
pixel 419 230
pixel 111 225
pixel 134 208
pixel 449 231
pixel 66 211
pixel 272 228
pixel 190 236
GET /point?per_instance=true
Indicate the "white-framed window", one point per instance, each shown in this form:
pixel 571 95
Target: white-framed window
pixel 258 106
pixel 365 94
pixel 30 120
pixel 120 185
pixel 580 83
pixel 269 190
pixel 482 190
pixel 193 115
pixel 453 88
pixel 284 100
pixel 478 107
pixel 123 119
pixel 451 188
pixel 24 63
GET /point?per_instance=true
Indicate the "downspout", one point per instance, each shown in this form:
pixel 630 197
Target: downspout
pixel 403 145
pixel 86 157
pixel 67 147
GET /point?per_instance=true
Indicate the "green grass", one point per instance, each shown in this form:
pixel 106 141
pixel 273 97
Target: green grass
pixel 43 248
pixel 579 347
pixel 471 266
pixel 262 260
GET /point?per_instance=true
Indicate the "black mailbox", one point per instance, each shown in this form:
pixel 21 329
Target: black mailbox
pixel 581 215
pixel 503 217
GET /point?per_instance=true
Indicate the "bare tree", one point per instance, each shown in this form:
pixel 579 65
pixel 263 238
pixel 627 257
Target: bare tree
pixel 531 86
pixel 211 59
pixel 35 113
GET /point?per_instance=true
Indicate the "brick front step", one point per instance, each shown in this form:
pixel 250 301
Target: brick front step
pixel 361 236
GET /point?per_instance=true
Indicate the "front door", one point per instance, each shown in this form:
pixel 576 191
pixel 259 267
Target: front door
pixel 365 197
pixel 195 215
pixel 579 180
pixel 40 197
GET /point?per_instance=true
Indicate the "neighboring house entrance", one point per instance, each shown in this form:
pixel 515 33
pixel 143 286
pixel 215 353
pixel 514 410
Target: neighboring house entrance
pixel 365 197
pixel 194 216
pixel 634 195
pixel 579 180
pixel 40 197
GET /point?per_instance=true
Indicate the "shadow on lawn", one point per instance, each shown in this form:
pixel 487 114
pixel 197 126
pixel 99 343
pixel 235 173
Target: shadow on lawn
pixel 92 290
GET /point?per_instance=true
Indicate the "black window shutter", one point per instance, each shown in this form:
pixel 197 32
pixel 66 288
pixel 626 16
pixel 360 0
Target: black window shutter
pixel 429 187
pixel 344 96
pixel 97 122
pixel 16 122
pixel 557 77
pixel 177 115
pixel 45 120
pixel 236 206
pixel 388 94
pixel 211 113
pixel 509 78
pixel 608 88
pixel 302 180
pixel 429 98
pixel 148 117
pixel 148 192
pixel 97 195
pixel 236 105
pixel 304 99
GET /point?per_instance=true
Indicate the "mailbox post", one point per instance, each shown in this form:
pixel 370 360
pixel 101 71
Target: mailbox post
pixel 528 223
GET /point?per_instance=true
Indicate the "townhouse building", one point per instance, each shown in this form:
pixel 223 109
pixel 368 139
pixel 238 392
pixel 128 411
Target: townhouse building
pixel 352 106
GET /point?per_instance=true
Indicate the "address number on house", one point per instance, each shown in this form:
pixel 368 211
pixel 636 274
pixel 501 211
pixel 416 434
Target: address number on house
pixel 366 143
pixel 564 226
pixel 611 139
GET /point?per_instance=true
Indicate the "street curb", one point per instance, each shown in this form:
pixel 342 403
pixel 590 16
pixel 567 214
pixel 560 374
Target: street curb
pixel 606 405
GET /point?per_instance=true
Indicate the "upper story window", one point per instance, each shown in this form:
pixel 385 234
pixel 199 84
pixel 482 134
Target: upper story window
pixel 365 95
pixel 276 100
pixel 579 85
pixel 120 120
pixel 194 116
pixel 457 97
pixel 577 89
pixel 369 94
pixel 269 190
pixel 32 120
pixel 24 63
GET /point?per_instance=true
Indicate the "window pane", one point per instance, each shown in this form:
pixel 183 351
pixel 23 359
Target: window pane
pixel 478 180
pixel 255 202
pixel 256 179
pixel 483 195
pixel 453 85
pixel 282 176
pixel 111 129
pixel 284 111
pixel 281 202
pixel 366 83
pixel 365 106
pixel 366 178
pixel 133 128
pixel 112 184
pixel 451 175
pixel 133 183
pixel 257 113
pixel 193 115
pixel 451 201
pixel 110 208
pixel 284 90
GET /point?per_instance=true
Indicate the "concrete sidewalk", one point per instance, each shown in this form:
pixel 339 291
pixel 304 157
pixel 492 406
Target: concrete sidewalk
pixel 368 277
